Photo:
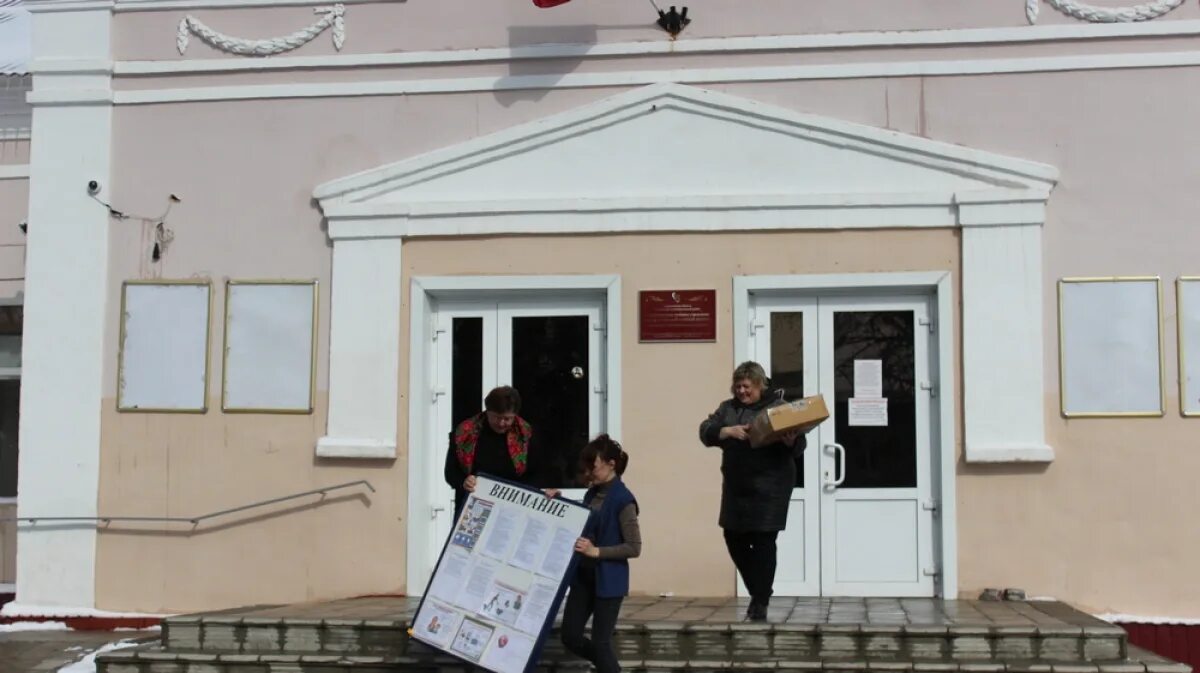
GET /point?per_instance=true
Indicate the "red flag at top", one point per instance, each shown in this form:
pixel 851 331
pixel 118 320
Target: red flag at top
pixel 549 3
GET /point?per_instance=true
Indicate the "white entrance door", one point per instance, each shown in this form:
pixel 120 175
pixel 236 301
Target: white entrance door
pixel 551 350
pixel 861 517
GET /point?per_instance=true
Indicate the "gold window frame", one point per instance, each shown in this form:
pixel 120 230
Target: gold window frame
pixel 125 285
pixel 1062 378
pixel 312 374
pixel 1179 341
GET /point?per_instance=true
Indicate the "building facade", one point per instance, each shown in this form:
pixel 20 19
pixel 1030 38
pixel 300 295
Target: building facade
pixel 413 202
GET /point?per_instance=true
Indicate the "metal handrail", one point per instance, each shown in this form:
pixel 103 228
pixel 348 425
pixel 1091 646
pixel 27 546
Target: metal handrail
pixel 194 520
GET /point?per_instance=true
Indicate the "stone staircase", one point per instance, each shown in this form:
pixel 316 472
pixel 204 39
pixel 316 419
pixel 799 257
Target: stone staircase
pixel 668 635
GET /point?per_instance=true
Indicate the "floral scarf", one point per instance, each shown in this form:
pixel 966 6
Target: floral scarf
pixel 466 436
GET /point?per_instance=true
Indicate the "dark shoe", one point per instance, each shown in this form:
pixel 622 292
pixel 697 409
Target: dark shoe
pixel 757 612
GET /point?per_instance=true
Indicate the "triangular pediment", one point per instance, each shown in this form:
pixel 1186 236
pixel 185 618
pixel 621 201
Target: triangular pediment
pixel 675 141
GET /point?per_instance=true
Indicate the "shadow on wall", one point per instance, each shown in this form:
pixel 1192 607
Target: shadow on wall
pixel 534 77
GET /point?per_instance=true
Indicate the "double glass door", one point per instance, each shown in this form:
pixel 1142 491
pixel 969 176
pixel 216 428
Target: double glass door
pixel 861 517
pixel 550 350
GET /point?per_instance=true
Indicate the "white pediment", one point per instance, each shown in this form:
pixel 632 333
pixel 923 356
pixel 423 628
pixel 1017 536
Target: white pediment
pixel 673 142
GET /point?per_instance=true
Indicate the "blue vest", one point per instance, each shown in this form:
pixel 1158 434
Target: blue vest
pixel 612 576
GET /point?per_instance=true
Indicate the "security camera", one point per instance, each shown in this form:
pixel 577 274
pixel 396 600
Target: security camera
pixel 93 187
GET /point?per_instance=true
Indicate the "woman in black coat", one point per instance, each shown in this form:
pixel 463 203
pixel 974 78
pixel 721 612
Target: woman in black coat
pixel 756 482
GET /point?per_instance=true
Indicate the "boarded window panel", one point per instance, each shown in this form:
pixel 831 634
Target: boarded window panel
pixel 270 332
pixel 1188 298
pixel 1110 347
pixel 164 346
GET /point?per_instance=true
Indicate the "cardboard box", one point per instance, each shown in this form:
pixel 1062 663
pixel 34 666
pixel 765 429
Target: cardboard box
pixel 803 415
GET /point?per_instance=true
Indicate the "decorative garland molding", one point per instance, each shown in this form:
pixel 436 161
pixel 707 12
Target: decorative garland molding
pixel 167 5
pixel 334 16
pixel 955 37
pixel 1092 13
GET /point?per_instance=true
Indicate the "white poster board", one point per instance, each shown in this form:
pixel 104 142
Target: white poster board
pixel 270 344
pixel 1187 298
pixel 163 359
pixel 502 574
pixel 1110 346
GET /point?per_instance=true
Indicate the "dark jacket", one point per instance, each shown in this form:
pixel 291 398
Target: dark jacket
pixel 757 482
pixel 491 457
pixel 604 529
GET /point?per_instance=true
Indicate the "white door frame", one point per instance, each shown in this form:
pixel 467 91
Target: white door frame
pixel 942 437
pixel 424 292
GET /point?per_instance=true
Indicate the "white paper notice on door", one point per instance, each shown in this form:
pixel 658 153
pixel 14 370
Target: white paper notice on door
pixel 868 379
pixel 868 411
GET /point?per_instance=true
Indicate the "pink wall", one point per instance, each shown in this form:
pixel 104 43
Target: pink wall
pixel 391 27
pixel 14 203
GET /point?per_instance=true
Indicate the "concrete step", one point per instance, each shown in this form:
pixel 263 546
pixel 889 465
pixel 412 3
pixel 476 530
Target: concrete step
pixel 157 660
pixel 224 634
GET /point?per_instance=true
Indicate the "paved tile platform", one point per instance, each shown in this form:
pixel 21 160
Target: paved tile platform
pixel 644 609
pixel 669 635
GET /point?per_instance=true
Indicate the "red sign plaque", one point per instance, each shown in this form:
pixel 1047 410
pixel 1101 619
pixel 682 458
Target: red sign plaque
pixel 677 315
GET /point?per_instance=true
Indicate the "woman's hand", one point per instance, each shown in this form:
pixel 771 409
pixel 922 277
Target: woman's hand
pixel 741 432
pixel 790 437
pixel 469 484
pixel 584 546
pixel 551 492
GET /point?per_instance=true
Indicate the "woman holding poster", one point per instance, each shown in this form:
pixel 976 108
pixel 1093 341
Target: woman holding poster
pixel 756 484
pixel 495 441
pixel 611 538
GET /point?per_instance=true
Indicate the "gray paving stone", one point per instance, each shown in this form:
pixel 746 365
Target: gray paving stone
pixel 182 633
pixel 935 666
pixel 222 634
pixel 896 666
pixel 1099 648
pixel 1122 667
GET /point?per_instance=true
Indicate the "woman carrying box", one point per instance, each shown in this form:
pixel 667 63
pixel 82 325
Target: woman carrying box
pixel 756 484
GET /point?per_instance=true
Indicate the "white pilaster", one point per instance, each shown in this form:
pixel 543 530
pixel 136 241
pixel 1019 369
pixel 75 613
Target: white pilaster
pixel 364 349
pixel 66 277
pixel 1003 370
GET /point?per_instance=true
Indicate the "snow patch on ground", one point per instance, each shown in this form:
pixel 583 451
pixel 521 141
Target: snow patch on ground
pixel 33 626
pixel 15 609
pixel 1116 618
pixel 88 663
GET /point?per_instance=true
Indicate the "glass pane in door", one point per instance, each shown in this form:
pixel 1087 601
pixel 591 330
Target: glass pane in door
pixel 877 456
pixel 10 405
pixel 466 393
pixel 787 364
pixel 550 370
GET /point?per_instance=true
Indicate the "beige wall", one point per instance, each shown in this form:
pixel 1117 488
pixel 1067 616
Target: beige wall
pixel 1104 526
pixel 667 389
pixel 8 545
pixel 187 465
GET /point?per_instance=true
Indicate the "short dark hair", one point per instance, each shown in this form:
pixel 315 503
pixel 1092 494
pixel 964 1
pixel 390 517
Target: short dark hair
pixel 503 400
pixel 606 449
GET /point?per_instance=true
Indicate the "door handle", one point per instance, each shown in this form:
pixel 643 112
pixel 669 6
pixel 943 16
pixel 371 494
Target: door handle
pixel 434 511
pixel 839 464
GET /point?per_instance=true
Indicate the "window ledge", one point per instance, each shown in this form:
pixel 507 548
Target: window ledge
pixel 1010 453
pixel 347 447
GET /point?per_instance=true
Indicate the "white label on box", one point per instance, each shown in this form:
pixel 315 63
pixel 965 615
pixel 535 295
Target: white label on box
pixel 868 411
pixel 868 378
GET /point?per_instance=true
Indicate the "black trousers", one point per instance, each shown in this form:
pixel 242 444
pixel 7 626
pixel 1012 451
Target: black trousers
pixel 753 552
pixel 581 604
